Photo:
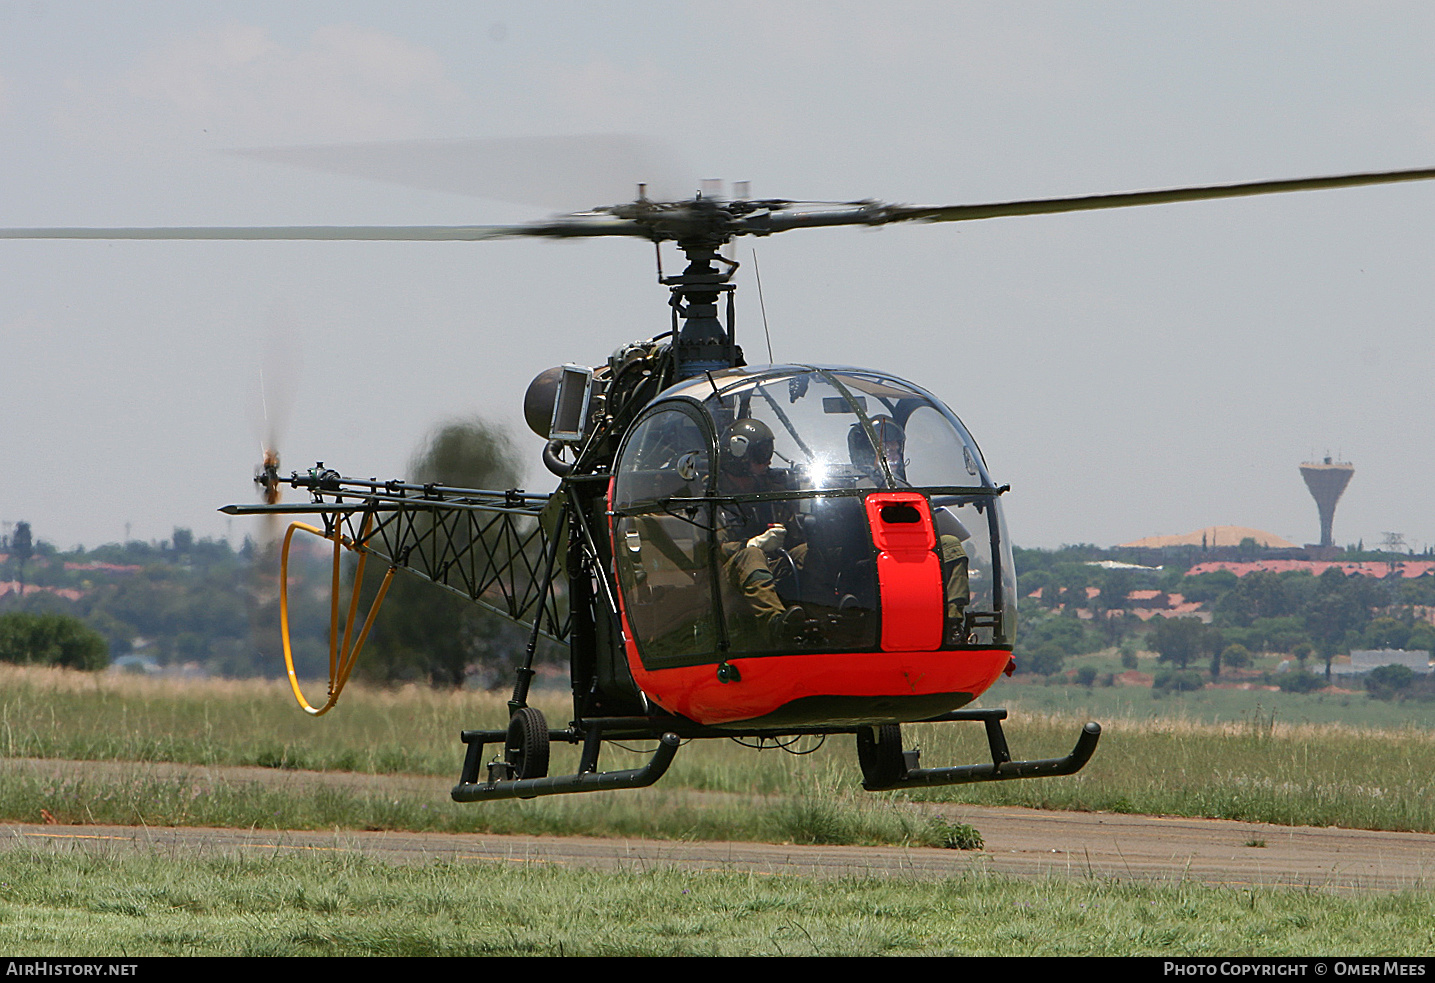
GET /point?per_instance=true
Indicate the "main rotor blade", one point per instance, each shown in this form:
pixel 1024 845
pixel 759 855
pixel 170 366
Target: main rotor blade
pixel 560 227
pixel 685 221
pixel 1047 206
pixel 561 173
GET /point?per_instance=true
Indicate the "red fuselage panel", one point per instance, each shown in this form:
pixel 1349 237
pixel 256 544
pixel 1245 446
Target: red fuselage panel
pixel 909 574
pixel 768 684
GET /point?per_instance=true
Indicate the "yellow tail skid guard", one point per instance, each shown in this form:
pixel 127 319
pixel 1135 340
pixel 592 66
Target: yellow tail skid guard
pixel 342 655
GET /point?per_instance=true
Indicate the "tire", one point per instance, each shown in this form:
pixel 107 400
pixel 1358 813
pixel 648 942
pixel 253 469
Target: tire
pixel 879 753
pixel 526 748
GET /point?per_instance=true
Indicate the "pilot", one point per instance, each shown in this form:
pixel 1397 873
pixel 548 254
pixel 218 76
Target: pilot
pixel 757 534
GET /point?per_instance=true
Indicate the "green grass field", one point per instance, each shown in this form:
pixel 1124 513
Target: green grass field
pixel 1259 768
pixel 1263 766
pixel 125 905
pixel 1213 704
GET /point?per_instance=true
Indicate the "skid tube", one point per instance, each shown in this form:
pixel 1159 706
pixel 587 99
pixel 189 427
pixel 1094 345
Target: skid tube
pixel 670 731
pixel 588 778
pixel 1002 768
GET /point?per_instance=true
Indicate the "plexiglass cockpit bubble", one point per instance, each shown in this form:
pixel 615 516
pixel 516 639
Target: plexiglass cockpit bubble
pixel 742 520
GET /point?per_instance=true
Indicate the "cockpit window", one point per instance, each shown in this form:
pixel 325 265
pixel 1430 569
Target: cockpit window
pixel 663 556
pixel 668 454
pixel 741 517
pixel 936 450
pixel 851 430
pixel 820 437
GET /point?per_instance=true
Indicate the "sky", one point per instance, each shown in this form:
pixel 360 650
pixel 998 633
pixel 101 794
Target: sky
pixel 1130 373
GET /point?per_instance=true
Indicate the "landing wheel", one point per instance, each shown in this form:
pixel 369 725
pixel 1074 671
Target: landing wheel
pixel 526 749
pixel 879 752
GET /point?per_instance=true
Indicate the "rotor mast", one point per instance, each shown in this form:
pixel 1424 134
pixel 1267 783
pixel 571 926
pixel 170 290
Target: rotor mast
pixel 702 343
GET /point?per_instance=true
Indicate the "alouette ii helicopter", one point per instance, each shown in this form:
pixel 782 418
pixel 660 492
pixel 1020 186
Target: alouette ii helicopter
pixel 759 552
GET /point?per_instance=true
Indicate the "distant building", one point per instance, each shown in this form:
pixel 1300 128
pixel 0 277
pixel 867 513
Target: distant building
pixel 1144 604
pixel 1214 537
pixel 1363 661
pixel 1375 569
pixel 1118 565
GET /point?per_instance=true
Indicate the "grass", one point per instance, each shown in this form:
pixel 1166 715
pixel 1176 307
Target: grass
pixel 99 716
pixel 1259 768
pixel 117 904
pixel 843 818
pixel 1212 705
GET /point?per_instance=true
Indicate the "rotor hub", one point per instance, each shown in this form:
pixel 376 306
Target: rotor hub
pixel 702 343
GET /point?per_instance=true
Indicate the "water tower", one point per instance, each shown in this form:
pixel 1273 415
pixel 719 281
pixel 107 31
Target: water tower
pixel 1326 481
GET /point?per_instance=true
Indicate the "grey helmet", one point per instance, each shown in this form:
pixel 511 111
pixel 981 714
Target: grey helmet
pixel 745 441
pixel 891 437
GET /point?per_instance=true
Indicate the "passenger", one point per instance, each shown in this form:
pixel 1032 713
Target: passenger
pixel 892 441
pixel 956 579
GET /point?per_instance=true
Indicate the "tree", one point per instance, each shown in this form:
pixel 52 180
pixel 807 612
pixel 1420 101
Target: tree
pixel 1386 633
pixel 27 638
pixel 1259 594
pixel 468 454
pixel 1236 656
pixel 1213 643
pixel 22 548
pixel 1302 652
pixel 1178 640
pixel 1300 681
pixel 1389 682
pixel 1046 659
pixel 1338 608
pixel 424 632
pixel 182 541
pixel 1176 680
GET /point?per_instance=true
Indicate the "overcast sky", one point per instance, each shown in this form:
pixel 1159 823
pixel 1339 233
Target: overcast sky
pixel 1133 373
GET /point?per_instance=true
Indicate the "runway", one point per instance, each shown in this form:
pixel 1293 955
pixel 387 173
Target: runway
pixel 1018 842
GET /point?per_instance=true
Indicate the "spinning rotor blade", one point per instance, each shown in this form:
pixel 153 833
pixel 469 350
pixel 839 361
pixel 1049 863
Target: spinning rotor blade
pixel 561 227
pixel 279 368
pixel 553 172
pixel 875 213
pixel 715 220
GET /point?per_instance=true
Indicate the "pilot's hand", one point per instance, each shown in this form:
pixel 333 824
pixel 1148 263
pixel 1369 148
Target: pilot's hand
pixel 771 541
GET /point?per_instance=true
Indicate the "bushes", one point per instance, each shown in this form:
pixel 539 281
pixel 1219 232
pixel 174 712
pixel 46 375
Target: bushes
pixel 51 640
pixel 1045 660
pixel 1177 680
pixel 1301 681
pixel 1399 683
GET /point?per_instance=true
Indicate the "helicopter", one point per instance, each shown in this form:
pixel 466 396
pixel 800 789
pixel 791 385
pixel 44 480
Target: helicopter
pixel 758 552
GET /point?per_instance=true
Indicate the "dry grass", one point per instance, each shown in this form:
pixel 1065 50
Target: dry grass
pixel 1260 769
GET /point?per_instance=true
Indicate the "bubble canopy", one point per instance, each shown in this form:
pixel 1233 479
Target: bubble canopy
pixel 743 494
pixel 822 419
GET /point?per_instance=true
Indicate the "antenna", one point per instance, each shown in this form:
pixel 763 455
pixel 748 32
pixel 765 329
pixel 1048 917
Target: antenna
pixel 762 306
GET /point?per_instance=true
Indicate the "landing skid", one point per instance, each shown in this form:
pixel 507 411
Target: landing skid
pixel 520 772
pixel 888 767
pixel 501 786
